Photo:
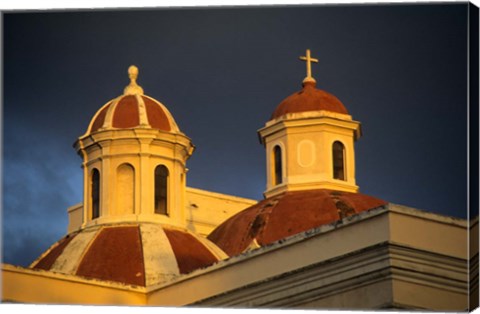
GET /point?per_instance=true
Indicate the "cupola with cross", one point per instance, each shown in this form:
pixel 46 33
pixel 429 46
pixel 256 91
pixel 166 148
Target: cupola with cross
pixel 134 161
pixel 309 141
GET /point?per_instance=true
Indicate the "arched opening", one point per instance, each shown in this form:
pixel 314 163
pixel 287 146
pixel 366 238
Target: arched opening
pixel 277 165
pixel 125 190
pixel 338 151
pixel 161 190
pixel 95 193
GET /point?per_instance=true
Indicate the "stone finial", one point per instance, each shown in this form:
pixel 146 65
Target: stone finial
pixel 133 88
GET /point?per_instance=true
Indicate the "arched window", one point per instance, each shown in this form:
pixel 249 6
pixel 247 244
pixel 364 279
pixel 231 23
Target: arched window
pixel 277 165
pixel 338 161
pixel 161 190
pixel 95 190
pixel 125 190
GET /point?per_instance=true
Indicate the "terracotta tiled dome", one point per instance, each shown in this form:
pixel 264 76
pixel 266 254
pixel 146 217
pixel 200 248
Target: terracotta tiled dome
pixel 128 111
pixel 287 214
pixel 309 99
pixel 133 110
pixel 139 254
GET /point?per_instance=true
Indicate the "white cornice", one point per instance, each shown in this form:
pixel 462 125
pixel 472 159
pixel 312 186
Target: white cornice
pixel 279 125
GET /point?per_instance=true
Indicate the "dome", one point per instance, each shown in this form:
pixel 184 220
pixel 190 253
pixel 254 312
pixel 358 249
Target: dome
pixel 309 99
pixel 133 109
pixel 139 254
pixel 284 215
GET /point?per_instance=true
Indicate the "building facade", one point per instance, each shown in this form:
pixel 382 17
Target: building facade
pixel 142 237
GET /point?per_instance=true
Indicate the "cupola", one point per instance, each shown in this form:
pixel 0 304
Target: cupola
pixel 134 161
pixel 309 141
pixel 131 229
pixel 133 109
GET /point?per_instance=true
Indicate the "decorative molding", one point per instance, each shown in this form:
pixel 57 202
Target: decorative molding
pixel 385 262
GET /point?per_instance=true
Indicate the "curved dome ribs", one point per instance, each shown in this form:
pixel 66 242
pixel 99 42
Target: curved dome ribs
pixel 46 261
pixel 287 214
pixel 108 258
pixel 184 245
pixel 158 115
pixel 133 254
pixel 131 110
pixel 99 118
pixel 126 113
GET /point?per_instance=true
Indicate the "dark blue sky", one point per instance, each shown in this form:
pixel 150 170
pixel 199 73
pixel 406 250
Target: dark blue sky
pixel 400 70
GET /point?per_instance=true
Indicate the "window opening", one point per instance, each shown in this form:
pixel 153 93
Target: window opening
pixel 338 161
pixel 277 160
pixel 161 189
pixel 95 189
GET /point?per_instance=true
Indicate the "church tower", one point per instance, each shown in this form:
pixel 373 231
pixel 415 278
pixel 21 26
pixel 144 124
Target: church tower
pixel 309 141
pixel 134 161
pixel 309 145
pixel 131 228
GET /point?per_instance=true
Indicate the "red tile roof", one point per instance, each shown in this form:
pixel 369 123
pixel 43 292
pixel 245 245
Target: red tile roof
pixel 191 254
pixel 127 114
pixel 100 118
pixel 47 261
pixel 117 253
pixel 309 99
pixel 156 116
pixel 287 214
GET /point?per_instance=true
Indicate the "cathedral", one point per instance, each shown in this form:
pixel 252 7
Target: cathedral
pixel 141 236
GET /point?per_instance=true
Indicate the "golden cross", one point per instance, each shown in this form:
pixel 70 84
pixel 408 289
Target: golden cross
pixel 309 61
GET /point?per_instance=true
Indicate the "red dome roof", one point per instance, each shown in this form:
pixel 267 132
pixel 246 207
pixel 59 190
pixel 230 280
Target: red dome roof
pixel 133 109
pixel 287 214
pixel 309 99
pixel 136 254
pixel 130 111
